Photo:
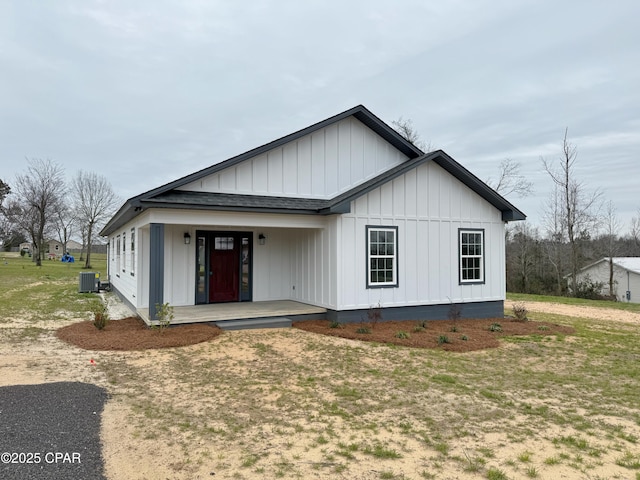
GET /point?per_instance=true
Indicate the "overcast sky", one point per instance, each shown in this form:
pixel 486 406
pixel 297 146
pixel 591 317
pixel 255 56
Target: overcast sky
pixel 145 92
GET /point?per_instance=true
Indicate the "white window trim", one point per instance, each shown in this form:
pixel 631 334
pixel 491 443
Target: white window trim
pixel 473 231
pixel 117 251
pixel 124 252
pixel 394 257
pixel 133 251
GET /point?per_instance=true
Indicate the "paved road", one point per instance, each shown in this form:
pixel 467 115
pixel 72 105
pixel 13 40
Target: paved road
pixel 55 427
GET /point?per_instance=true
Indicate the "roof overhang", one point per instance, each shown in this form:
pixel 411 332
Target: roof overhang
pixel 340 204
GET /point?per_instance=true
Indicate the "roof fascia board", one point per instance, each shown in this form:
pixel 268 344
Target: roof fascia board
pixel 509 212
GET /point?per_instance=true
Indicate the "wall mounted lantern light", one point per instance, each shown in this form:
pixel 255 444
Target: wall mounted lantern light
pixel 187 238
pixel 262 239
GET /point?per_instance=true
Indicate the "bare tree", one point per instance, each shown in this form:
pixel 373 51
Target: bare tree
pixel 510 180
pixel 5 224
pixel 635 229
pixel 409 133
pixel 554 246
pixel 578 209
pixel 522 255
pixel 610 243
pixel 64 223
pixel 94 202
pixel 39 193
pixel 4 191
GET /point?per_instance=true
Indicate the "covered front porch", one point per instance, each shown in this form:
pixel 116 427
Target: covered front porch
pixel 236 315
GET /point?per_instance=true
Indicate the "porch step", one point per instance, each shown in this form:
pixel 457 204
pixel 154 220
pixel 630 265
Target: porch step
pixel 248 323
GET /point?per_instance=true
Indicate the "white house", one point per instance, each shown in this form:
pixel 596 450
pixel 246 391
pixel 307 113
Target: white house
pixel 340 216
pixel 626 277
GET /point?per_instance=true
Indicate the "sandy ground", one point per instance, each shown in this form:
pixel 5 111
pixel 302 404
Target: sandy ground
pixel 579 311
pixel 131 451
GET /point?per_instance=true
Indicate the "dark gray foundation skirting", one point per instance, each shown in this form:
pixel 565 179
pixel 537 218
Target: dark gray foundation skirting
pixel 493 309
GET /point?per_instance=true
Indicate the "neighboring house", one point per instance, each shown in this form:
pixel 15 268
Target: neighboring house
pixel 25 246
pixel 57 248
pixel 626 277
pixel 344 215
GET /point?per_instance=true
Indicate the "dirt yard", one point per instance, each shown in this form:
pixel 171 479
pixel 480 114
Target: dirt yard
pixel 259 404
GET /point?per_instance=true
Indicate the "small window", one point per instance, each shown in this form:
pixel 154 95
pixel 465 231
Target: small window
pixel 471 256
pixel 382 257
pixel 133 251
pixel 224 243
pixel 117 252
pixel 124 251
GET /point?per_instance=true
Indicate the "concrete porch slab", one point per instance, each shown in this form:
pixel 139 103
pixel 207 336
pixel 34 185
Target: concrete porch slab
pixel 241 311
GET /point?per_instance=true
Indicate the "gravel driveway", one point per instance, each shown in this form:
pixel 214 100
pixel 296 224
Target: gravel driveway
pixel 51 431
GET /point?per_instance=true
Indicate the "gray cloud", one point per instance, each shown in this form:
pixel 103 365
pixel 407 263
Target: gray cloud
pixel 145 92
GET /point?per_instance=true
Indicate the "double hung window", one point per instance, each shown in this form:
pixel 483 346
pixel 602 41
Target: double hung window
pixel 382 256
pixel 471 256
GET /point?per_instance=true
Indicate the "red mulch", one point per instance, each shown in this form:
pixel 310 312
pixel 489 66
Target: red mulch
pixel 477 333
pixel 133 334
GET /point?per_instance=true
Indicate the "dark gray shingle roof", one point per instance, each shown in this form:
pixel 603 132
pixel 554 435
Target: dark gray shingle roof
pixel 168 196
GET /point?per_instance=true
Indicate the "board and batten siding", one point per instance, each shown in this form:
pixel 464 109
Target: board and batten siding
pixel 428 206
pixel 322 164
pixel 314 271
pixel 123 277
pixel 284 268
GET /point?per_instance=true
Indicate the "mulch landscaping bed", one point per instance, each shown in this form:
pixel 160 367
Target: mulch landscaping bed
pixel 463 335
pixel 133 334
pixel 469 334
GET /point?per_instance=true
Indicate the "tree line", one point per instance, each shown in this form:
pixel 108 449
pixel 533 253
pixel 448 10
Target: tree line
pixel 579 227
pixel 41 204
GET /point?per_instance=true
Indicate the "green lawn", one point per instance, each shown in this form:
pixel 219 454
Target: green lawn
pixel 285 403
pixel 46 292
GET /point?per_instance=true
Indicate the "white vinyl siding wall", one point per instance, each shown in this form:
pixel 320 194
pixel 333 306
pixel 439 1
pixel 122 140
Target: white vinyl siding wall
pixel 429 207
pixel 122 270
pixel 292 264
pixel 322 260
pixel 323 164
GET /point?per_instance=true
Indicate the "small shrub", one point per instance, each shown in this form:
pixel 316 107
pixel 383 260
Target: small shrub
pixel 455 312
pixel 495 327
pixel 100 316
pixel 374 315
pixel 520 312
pixel 402 334
pixel 418 328
pixel 443 339
pixel 363 329
pixel 165 315
pixel 589 289
pixel 464 337
pixel 335 324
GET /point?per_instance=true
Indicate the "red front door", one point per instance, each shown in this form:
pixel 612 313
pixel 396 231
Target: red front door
pixel 224 269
